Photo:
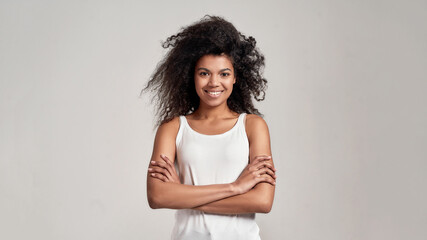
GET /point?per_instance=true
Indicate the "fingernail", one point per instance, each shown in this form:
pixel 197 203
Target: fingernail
pixel 152 174
pixel 161 155
pixel 153 162
pixel 149 169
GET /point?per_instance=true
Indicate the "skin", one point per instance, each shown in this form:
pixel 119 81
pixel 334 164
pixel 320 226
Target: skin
pixel 253 191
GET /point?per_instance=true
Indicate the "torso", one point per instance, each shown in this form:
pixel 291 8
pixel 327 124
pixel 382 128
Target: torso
pixel 212 157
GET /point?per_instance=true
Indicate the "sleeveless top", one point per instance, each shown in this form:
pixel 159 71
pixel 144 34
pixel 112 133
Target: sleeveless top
pixel 212 159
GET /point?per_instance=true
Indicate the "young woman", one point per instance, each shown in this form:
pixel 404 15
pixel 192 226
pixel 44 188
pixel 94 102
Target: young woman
pixel 210 129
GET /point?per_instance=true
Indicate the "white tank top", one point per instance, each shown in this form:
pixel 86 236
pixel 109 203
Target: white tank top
pixel 212 159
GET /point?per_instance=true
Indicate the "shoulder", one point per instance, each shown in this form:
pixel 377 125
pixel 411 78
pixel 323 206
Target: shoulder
pixel 254 121
pixel 169 128
pixel 164 142
pixel 255 125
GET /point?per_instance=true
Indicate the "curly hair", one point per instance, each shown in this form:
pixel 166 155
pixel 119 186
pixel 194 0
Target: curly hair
pixel 173 80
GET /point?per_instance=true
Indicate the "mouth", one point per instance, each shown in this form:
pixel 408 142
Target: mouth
pixel 214 94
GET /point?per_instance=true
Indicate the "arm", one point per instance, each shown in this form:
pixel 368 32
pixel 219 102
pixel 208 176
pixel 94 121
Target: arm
pixel 260 198
pixel 162 194
pixel 251 199
pixel 165 194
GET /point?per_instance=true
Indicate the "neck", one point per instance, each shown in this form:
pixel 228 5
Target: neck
pixel 207 112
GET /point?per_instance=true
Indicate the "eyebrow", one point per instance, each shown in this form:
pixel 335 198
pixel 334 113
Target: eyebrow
pixel 222 70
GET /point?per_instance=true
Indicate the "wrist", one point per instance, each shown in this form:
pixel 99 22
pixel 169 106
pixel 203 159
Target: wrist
pixel 234 188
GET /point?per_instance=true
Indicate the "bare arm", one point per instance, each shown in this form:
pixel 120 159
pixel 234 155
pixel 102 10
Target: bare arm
pixel 164 194
pixel 260 198
pixel 170 195
pixel 250 202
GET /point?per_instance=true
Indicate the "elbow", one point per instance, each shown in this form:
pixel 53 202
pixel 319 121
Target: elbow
pixel 154 201
pixel 266 209
pixel 153 204
pixel 158 200
pixel 154 196
pixel 265 206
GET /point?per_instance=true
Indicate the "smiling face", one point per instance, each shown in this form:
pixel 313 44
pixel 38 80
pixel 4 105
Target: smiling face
pixel 214 79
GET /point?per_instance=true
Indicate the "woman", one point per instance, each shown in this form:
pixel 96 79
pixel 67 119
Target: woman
pixel 209 128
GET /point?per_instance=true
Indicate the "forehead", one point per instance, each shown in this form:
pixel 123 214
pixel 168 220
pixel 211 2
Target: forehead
pixel 214 62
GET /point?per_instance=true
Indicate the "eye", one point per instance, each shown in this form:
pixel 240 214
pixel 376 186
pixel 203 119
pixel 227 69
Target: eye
pixel 225 74
pixel 203 73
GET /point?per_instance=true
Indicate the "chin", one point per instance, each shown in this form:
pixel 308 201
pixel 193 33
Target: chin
pixel 212 104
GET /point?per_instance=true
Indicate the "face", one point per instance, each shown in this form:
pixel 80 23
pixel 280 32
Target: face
pixel 214 79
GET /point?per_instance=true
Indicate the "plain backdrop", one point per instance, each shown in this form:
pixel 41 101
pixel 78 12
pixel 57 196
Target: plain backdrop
pixel 346 109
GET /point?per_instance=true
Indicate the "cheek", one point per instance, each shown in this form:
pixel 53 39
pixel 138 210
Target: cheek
pixel 230 85
pixel 197 84
pixel 230 89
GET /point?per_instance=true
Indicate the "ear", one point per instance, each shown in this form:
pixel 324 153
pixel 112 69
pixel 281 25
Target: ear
pixel 234 81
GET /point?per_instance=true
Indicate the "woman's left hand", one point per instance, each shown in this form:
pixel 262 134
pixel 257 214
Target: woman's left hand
pixel 164 170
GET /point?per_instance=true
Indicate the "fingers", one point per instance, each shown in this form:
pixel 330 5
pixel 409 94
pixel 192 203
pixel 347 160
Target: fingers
pixel 164 165
pixel 268 179
pixel 264 164
pixel 165 168
pixel 159 170
pixel 266 171
pixel 168 161
pixel 160 176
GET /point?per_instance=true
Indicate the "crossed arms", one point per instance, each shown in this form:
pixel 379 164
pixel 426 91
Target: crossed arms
pixel 252 192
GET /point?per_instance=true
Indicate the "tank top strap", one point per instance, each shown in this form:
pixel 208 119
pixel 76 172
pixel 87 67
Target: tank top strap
pixel 241 123
pixel 242 119
pixel 182 123
pixel 182 120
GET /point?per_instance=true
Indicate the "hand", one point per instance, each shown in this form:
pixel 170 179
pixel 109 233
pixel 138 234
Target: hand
pixel 164 170
pixel 259 170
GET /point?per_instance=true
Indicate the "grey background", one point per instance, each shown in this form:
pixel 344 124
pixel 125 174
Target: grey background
pixel 346 107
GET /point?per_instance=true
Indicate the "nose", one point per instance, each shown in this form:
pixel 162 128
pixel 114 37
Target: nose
pixel 213 81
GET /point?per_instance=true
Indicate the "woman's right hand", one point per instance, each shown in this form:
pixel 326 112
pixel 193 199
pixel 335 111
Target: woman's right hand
pixel 259 170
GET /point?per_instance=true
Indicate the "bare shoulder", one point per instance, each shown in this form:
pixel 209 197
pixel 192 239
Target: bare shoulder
pixel 169 128
pixel 254 118
pixel 164 142
pixel 166 133
pixel 255 125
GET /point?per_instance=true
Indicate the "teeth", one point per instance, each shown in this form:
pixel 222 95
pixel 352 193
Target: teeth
pixel 214 93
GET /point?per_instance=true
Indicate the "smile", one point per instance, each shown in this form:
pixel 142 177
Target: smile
pixel 214 93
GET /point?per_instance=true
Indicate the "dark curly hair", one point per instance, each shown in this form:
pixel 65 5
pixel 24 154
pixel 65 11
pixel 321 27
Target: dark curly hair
pixel 173 80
